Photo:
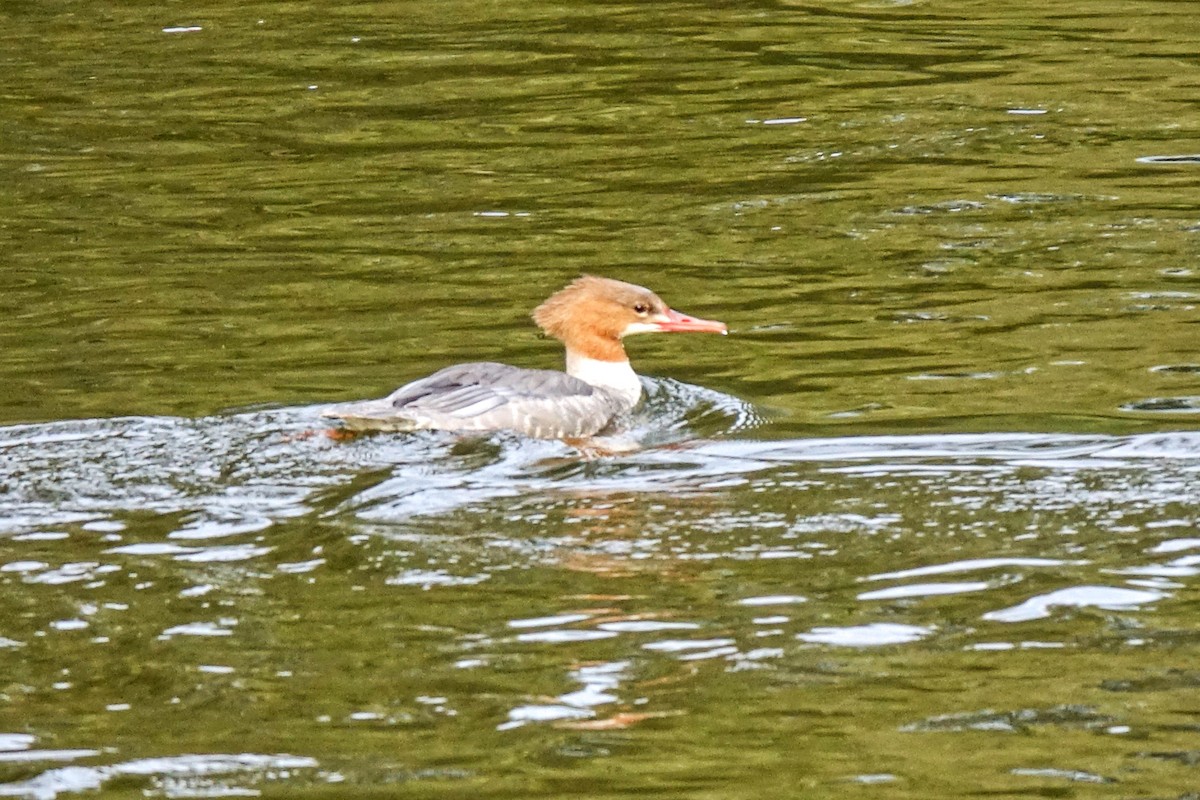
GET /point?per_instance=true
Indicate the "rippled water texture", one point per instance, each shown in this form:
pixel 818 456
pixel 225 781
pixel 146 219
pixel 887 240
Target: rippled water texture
pixel 928 530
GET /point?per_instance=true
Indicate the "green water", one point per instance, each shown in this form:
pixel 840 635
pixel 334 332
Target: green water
pixel 928 530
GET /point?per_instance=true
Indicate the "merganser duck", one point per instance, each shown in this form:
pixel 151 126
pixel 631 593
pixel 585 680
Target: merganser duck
pixel 590 317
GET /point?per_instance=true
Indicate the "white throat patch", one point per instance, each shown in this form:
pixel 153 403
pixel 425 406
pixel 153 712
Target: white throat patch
pixel 615 376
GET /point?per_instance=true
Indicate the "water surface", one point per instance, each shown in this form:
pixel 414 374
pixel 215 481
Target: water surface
pixel 929 529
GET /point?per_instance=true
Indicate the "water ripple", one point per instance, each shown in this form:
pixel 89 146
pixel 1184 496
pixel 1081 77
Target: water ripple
pixel 176 776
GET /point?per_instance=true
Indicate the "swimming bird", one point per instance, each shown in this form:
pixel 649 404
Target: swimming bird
pixel 590 316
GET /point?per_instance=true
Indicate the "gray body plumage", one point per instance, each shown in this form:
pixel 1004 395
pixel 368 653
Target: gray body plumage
pixel 486 396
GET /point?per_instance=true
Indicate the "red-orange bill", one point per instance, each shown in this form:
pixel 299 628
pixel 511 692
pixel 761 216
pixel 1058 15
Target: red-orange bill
pixel 682 323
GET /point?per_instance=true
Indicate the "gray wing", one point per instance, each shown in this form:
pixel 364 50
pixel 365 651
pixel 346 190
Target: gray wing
pixel 489 396
pixel 468 390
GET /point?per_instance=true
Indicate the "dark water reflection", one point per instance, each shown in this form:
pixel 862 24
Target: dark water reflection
pixel 943 544
pixel 224 580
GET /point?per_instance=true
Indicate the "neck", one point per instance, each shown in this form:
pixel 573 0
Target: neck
pixel 615 376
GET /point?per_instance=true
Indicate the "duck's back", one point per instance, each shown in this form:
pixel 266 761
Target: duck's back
pixel 485 396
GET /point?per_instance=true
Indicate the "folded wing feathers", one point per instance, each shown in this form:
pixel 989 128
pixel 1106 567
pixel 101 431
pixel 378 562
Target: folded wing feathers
pixel 467 390
pixel 488 396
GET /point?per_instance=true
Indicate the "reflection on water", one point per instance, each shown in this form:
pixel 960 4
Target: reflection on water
pixel 179 776
pixel 944 545
pixel 464 586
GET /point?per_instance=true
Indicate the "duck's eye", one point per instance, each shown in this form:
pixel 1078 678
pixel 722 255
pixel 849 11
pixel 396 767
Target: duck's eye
pixel 641 308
